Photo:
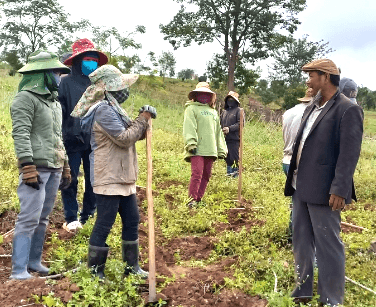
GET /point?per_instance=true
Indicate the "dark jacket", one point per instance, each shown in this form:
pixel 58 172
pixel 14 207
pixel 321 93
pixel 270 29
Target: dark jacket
pixel 231 118
pixel 330 152
pixel 71 89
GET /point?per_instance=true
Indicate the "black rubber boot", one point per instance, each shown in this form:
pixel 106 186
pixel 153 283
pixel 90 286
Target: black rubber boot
pixel 130 256
pixel 97 260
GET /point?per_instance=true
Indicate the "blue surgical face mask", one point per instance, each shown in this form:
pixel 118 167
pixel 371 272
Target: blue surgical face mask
pixel 88 67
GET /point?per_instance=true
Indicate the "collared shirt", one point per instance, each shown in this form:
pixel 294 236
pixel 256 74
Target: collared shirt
pixel 290 126
pixel 307 128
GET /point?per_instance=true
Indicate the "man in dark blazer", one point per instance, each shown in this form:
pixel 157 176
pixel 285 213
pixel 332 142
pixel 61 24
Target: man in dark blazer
pixel 320 180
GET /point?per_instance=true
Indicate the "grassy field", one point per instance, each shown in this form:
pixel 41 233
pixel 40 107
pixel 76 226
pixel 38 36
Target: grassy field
pixel 261 252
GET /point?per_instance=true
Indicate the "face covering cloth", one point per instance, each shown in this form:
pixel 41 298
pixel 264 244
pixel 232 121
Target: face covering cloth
pixel 203 97
pixel 88 67
pixel 121 95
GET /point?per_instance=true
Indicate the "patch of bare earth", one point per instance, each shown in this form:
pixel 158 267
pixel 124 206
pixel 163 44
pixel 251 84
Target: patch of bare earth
pixel 198 286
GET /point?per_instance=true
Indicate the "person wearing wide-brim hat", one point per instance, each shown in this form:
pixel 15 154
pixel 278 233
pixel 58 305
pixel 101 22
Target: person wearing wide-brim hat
pixel 203 137
pixel 230 122
pixel 42 160
pixel 113 163
pixel 83 60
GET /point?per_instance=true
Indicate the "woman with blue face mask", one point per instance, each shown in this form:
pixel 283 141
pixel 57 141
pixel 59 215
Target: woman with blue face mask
pixel 84 60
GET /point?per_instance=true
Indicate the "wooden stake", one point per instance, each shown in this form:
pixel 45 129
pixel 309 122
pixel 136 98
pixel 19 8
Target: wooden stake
pixel 149 195
pixel 353 226
pixel 360 285
pixel 240 163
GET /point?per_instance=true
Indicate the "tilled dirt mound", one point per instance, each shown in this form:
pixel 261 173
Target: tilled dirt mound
pixel 192 286
pixel 18 293
pixel 202 287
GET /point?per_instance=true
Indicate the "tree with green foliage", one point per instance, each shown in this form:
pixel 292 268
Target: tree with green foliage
pixel 13 60
pixel 186 74
pixel 34 24
pixel 114 44
pixel 246 29
pixel 287 78
pixel 366 98
pixel 293 54
pixel 167 63
pixel 244 78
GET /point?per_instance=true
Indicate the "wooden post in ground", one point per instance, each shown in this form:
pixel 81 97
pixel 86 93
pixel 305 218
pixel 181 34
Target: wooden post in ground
pixel 149 195
pixel 240 163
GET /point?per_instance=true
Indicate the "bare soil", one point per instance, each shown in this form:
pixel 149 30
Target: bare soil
pixel 193 286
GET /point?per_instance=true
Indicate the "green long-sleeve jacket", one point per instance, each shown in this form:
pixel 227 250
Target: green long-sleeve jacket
pixel 202 130
pixel 37 136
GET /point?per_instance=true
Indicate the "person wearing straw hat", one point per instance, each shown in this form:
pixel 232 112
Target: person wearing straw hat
pixel 113 163
pixel 230 122
pixel 42 160
pixel 204 139
pixel 320 181
pixel 84 59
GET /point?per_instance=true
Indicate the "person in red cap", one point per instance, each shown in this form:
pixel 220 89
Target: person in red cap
pixel 84 60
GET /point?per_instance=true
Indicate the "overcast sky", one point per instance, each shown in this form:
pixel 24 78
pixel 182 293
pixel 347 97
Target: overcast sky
pixel 348 26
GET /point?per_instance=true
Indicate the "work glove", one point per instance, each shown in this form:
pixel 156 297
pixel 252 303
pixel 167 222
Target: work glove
pixel 225 130
pixel 150 109
pixel 66 177
pixel 30 176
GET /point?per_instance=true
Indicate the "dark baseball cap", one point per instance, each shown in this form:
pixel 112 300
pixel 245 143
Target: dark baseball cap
pixel 349 88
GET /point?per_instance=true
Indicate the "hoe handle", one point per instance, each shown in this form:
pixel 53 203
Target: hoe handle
pixel 240 163
pixel 149 195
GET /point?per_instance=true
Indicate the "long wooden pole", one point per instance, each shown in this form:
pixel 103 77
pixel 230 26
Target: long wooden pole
pixel 149 195
pixel 240 163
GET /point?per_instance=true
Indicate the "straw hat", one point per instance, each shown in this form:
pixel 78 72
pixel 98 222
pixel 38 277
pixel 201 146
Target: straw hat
pixel 85 45
pixel 308 96
pixel 43 60
pixel 234 95
pixel 200 87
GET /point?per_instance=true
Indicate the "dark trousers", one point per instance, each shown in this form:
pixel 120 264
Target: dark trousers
pixel 107 208
pixel 232 158
pixel 200 174
pixel 69 195
pixel 318 227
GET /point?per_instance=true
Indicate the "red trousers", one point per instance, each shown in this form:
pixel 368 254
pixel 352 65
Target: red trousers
pixel 200 174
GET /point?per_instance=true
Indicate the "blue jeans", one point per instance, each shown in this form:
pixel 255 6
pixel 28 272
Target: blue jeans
pixel 108 207
pixel 69 195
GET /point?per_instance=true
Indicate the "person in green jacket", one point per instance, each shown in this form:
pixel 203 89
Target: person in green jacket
pixel 204 139
pixel 42 160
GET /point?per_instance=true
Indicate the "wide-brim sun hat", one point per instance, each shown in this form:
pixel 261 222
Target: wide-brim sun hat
pixel 234 95
pixel 308 96
pixel 84 45
pixel 112 78
pixel 200 87
pixel 324 65
pixel 43 60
